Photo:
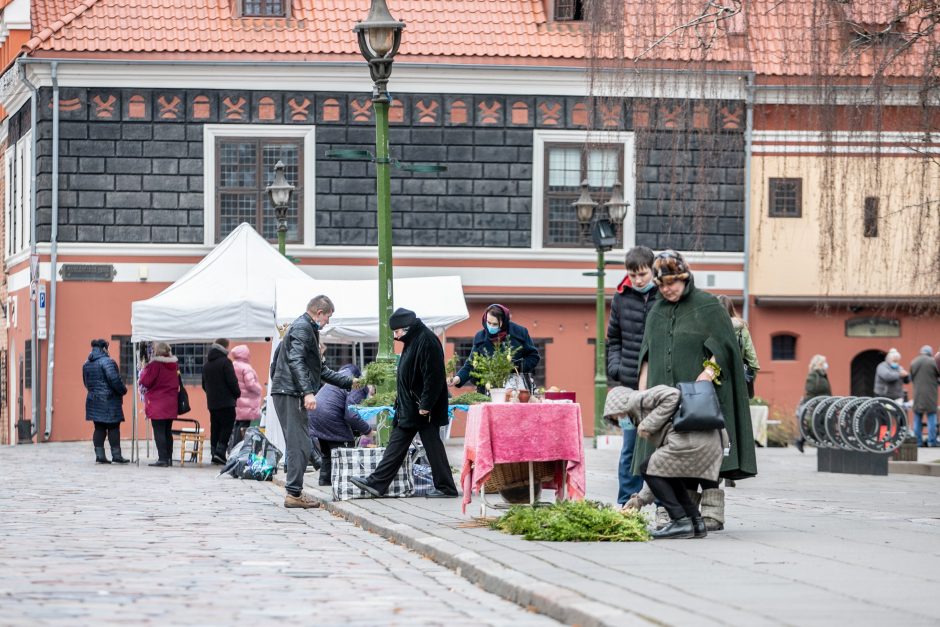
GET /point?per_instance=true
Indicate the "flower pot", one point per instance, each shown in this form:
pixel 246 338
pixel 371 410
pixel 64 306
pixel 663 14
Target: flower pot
pixel 498 395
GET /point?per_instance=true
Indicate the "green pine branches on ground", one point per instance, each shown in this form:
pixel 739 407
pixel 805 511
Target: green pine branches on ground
pixel 573 521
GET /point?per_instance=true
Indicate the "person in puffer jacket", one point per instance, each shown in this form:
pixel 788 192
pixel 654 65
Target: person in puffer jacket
pixel 333 424
pixel 248 404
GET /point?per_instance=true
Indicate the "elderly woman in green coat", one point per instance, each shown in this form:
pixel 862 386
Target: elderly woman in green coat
pixel 689 337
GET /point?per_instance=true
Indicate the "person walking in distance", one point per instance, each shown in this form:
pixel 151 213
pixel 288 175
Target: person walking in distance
pixel 298 373
pixel 925 377
pixel 633 299
pixel 222 392
pixel 420 408
pixel 817 384
pixel 890 377
pixel 104 403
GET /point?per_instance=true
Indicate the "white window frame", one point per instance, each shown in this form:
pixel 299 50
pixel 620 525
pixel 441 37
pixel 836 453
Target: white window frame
pixel 17 196
pixel 579 138
pixel 306 132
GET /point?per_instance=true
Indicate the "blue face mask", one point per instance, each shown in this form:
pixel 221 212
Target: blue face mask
pixel 492 330
pixel 895 366
pixel 646 288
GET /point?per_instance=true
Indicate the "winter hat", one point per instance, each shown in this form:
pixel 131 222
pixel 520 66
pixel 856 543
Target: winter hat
pixel 669 263
pixel 401 318
pixel 615 406
pixel 927 349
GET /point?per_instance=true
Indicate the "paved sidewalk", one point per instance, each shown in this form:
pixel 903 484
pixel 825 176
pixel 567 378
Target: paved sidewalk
pixel 800 548
pixel 86 544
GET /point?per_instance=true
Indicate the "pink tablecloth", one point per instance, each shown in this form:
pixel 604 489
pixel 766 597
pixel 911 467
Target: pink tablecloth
pixel 499 433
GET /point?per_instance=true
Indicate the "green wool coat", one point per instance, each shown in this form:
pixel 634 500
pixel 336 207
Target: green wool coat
pixel 678 338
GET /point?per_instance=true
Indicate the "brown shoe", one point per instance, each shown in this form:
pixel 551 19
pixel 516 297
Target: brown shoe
pixel 303 501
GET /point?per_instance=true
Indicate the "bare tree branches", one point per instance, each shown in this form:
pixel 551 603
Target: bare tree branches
pixel 707 25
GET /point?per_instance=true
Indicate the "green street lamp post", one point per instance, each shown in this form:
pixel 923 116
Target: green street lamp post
pixel 379 37
pixel 604 236
pixel 279 192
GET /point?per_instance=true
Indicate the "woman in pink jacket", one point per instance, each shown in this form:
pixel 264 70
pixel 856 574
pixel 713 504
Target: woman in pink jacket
pixel 248 405
pixel 160 381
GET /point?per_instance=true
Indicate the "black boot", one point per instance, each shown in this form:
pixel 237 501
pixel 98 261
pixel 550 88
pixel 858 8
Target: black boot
pixel 681 528
pixel 99 455
pixel 117 457
pixel 698 527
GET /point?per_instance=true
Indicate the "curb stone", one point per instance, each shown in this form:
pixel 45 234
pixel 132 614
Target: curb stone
pixel 559 603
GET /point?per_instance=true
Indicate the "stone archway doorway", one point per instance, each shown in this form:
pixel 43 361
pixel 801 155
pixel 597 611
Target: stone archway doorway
pixel 863 372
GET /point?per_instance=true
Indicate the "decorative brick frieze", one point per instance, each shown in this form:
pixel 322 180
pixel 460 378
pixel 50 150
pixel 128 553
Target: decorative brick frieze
pixel 131 163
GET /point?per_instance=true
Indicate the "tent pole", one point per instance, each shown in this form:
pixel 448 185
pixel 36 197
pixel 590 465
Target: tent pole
pixel 135 455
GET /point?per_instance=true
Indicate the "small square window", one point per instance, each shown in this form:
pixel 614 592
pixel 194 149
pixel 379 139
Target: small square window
pixel 786 198
pixel 871 216
pixel 569 10
pixel 264 8
pixel 783 348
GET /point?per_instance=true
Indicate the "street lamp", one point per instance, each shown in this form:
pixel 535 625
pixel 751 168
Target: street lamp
pixel 279 192
pixel 604 236
pixel 379 37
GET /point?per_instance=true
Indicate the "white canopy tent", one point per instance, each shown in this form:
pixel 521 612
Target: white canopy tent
pixel 230 293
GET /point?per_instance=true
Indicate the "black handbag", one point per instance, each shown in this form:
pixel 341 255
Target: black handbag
pixel 699 409
pixel 749 376
pixel 182 399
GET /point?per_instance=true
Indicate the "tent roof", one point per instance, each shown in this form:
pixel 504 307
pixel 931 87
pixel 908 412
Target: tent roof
pixel 438 301
pixel 230 293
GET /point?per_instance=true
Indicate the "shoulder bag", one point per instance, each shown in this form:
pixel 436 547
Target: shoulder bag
pixel 182 398
pixel 699 409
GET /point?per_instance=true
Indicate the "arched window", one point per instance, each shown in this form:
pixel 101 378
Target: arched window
pixel 783 347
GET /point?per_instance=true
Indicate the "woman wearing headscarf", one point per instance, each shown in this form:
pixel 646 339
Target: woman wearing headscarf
pixel 688 333
pixel 160 380
pixel 104 403
pixel 498 328
pixel 681 461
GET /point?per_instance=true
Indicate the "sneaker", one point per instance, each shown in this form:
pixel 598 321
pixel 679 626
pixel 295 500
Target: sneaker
pixel 160 463
pixel 302 501
pixel 218 460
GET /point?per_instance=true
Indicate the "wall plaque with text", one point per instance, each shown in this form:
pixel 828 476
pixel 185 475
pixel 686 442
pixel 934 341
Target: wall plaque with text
pixel 87 272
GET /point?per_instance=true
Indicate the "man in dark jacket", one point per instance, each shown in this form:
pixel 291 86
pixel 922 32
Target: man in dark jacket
pixel 296 377
pixel 634 298
pixel 420 409
pixel 221 386
pixel 925 378
pixel 104 403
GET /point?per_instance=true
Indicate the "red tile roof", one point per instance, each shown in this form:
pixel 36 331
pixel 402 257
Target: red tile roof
pixel 442 29
pixel 772 37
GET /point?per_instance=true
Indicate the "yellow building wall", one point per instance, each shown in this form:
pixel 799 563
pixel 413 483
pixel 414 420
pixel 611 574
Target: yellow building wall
pixel 824 253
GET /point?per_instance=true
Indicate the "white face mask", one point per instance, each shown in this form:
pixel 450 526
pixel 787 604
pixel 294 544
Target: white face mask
pixel 825 366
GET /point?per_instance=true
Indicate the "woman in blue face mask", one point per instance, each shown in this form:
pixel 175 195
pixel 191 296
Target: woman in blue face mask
pixel 498 328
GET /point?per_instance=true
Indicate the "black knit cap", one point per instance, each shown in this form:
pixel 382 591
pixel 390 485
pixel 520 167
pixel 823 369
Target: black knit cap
pixel 402 318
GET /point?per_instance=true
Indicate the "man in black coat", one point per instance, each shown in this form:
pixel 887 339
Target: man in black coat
pixel 420 409
pixel 634 298
pixel 221 386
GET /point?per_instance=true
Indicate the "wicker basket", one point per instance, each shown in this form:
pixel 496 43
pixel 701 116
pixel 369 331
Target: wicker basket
pixel 516 475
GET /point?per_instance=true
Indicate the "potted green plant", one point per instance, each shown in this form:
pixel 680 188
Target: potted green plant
pixel 493 371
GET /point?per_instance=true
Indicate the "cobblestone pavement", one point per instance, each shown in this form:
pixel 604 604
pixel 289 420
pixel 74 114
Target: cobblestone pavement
pixel 82 543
